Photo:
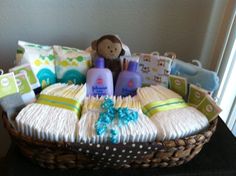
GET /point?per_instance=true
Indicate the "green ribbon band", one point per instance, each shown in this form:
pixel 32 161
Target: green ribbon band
pixel 158 106
pixel 60 102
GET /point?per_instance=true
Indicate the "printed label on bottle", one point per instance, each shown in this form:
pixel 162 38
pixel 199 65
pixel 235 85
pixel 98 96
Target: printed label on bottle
pixel 131 84
pixel 129 90
pixel 99 89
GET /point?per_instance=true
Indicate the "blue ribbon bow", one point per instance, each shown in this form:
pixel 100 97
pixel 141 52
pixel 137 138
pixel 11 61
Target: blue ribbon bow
pixel 110 117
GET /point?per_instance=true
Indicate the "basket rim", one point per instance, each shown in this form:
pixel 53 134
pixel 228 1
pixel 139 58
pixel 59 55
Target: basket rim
pixel 17 135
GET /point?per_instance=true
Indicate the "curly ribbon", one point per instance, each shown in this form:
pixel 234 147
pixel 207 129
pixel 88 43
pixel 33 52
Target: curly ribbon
pixel 110 116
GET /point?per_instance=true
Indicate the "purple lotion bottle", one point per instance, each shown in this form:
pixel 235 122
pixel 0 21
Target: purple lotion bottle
pixel 99 80
pixel 128 81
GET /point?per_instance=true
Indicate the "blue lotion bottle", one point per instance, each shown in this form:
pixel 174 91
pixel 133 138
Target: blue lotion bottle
pixel 128 81
pixel 99 80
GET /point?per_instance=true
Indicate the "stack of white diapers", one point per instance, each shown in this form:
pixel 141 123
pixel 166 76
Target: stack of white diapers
pixel 142 130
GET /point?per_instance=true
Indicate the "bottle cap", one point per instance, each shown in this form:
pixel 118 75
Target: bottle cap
pixel 99 62
pixel 132 66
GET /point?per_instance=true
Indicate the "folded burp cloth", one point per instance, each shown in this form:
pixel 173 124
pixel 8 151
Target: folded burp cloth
pixel 140 130
pixel 171 115
pixel 41 60
pixel 71 64
pixel 201 77
pixel 154 69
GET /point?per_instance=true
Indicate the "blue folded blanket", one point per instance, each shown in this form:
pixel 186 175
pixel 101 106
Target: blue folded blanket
pixel 196 75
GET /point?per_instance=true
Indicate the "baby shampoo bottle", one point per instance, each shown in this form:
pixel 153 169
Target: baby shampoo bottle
pixel 99 80
pixel 128 81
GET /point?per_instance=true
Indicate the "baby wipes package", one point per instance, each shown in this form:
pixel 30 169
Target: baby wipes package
pixel 71 64
pixel 41 60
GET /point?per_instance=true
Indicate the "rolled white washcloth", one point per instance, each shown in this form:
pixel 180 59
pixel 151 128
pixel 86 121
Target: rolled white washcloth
pixel 52 123
pixel 174 123
pixel 142 130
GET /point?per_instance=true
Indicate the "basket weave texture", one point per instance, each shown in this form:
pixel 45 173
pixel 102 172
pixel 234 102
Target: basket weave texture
pixel 79 155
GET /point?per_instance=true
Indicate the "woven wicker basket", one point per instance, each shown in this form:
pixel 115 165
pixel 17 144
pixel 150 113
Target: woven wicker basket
pixel 70 155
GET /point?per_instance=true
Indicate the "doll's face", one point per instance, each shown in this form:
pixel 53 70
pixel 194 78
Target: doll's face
pixel 109 49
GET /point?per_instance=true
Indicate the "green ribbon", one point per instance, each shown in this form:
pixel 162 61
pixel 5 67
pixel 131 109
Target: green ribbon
pixel 152 108
pixel 60 102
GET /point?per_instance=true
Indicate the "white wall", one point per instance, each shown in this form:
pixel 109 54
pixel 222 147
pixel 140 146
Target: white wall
pixel 144 25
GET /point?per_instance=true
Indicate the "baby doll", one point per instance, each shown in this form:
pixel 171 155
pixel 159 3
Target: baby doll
pixel 110 48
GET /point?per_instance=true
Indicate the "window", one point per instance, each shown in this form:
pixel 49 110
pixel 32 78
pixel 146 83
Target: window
pixel 227 92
